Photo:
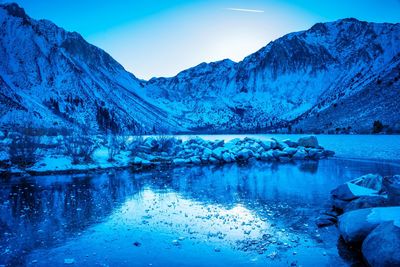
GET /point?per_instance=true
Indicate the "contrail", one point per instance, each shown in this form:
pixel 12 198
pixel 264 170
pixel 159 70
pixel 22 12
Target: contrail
pixel 246 10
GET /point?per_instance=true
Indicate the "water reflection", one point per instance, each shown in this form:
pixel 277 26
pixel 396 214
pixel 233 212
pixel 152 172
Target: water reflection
pixel 232 214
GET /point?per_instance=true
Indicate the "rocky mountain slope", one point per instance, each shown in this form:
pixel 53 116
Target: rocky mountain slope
pixel 343 74
pixel 338 76
pixel 53 78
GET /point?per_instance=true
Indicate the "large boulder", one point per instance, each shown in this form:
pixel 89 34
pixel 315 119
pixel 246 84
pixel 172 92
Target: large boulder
pixel 350 191
pixel 355 225
pixel 217 152
pixel 372 181
pixel 268 144
pixel 392 187
pixel 245 154
pixel 381 248
pixel 308 141
pixel 367 202
pixel 300 154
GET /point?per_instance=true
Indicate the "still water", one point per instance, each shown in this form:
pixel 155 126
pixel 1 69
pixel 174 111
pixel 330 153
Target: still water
pixel 255 214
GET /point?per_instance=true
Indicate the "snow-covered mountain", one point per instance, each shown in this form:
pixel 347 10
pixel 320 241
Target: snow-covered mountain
pixel 50 78
pixel 335 75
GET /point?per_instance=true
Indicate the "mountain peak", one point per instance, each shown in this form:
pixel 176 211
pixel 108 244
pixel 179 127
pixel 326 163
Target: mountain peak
pixel 14 10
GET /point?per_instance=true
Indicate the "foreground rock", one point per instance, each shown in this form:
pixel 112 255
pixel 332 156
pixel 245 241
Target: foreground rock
pixel 382 246
pixel 371 217
pixel 355 225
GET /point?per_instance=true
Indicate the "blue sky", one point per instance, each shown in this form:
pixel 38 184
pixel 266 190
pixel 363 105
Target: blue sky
pixel 162 37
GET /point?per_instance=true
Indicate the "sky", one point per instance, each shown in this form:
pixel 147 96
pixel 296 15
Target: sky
pixel 159 38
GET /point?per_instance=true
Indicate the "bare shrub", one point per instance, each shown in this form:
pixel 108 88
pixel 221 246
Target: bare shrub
pixel 23 147
pixel 134 144
pixel 115 143
pixel 166 143
pixel 80 147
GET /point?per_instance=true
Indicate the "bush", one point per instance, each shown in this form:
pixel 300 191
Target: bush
pixel 79 147
pixel 166 143
pixel 377 127
pixel 134 143
pixel 116 143
pixel 23 147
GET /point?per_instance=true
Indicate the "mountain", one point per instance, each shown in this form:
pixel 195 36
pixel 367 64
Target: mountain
pixel 53 78
pixel 337 76
pixel 334 76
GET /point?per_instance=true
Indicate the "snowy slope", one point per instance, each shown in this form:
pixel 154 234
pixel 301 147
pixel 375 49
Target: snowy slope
pixel 51 77
pixel 335 75
pixel 295 80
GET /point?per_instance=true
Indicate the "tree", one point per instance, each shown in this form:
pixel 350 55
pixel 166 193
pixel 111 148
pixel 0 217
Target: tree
pixel 377 127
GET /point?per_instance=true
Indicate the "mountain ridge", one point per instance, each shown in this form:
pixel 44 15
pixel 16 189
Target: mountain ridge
pixel 293 83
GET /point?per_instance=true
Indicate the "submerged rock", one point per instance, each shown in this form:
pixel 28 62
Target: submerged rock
pixel 382 245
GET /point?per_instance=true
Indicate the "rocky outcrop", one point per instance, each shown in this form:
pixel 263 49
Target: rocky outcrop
pixel 371 217
pixel 199 151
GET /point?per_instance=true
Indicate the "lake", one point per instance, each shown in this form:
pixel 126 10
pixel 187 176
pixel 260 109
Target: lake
pixel 254 214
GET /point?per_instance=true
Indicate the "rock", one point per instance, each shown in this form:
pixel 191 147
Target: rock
pixel 290 151
pixel 339 204
pixel 245 154
pixel 137 244
pixel 367 202
pixel 218 143
pixel 284 159
pixel 213 160
pixel 227 157
pixel 328 153
pixel 207 152
pixel 267 156
pixel 195 160
pixel 308 141
pixel 268 144
pixel 69 261
pixel 355 225
pixel 314 153
pixel 217 153
pixel 137 160
pixel 392 187
pixel 151 143
pixel 300 154
pixel 382 246
pixel 290 143
pixel 349 191
pixel 372 181
pixel 278 153
pixel 325 220
pixel 179 161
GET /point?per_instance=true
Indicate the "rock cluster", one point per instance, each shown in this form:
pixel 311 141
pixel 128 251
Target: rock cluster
pixel 199 151
pixel 371 217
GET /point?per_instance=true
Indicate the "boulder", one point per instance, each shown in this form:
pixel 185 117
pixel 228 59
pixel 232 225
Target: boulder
pixel 245 154
pixel 355 225
pixel 195 160
pixel 382 246
pixel 308 141
pixel 392 187
pixel 179 161
pixel 372 181
pixel 217 152
pixel 325 220
pixel 227 157
pixel 350 191
pixel 268 144
pixel 367 202
pixel 267 156
pixel 290 150
pixel 290 143
pixel 300 154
